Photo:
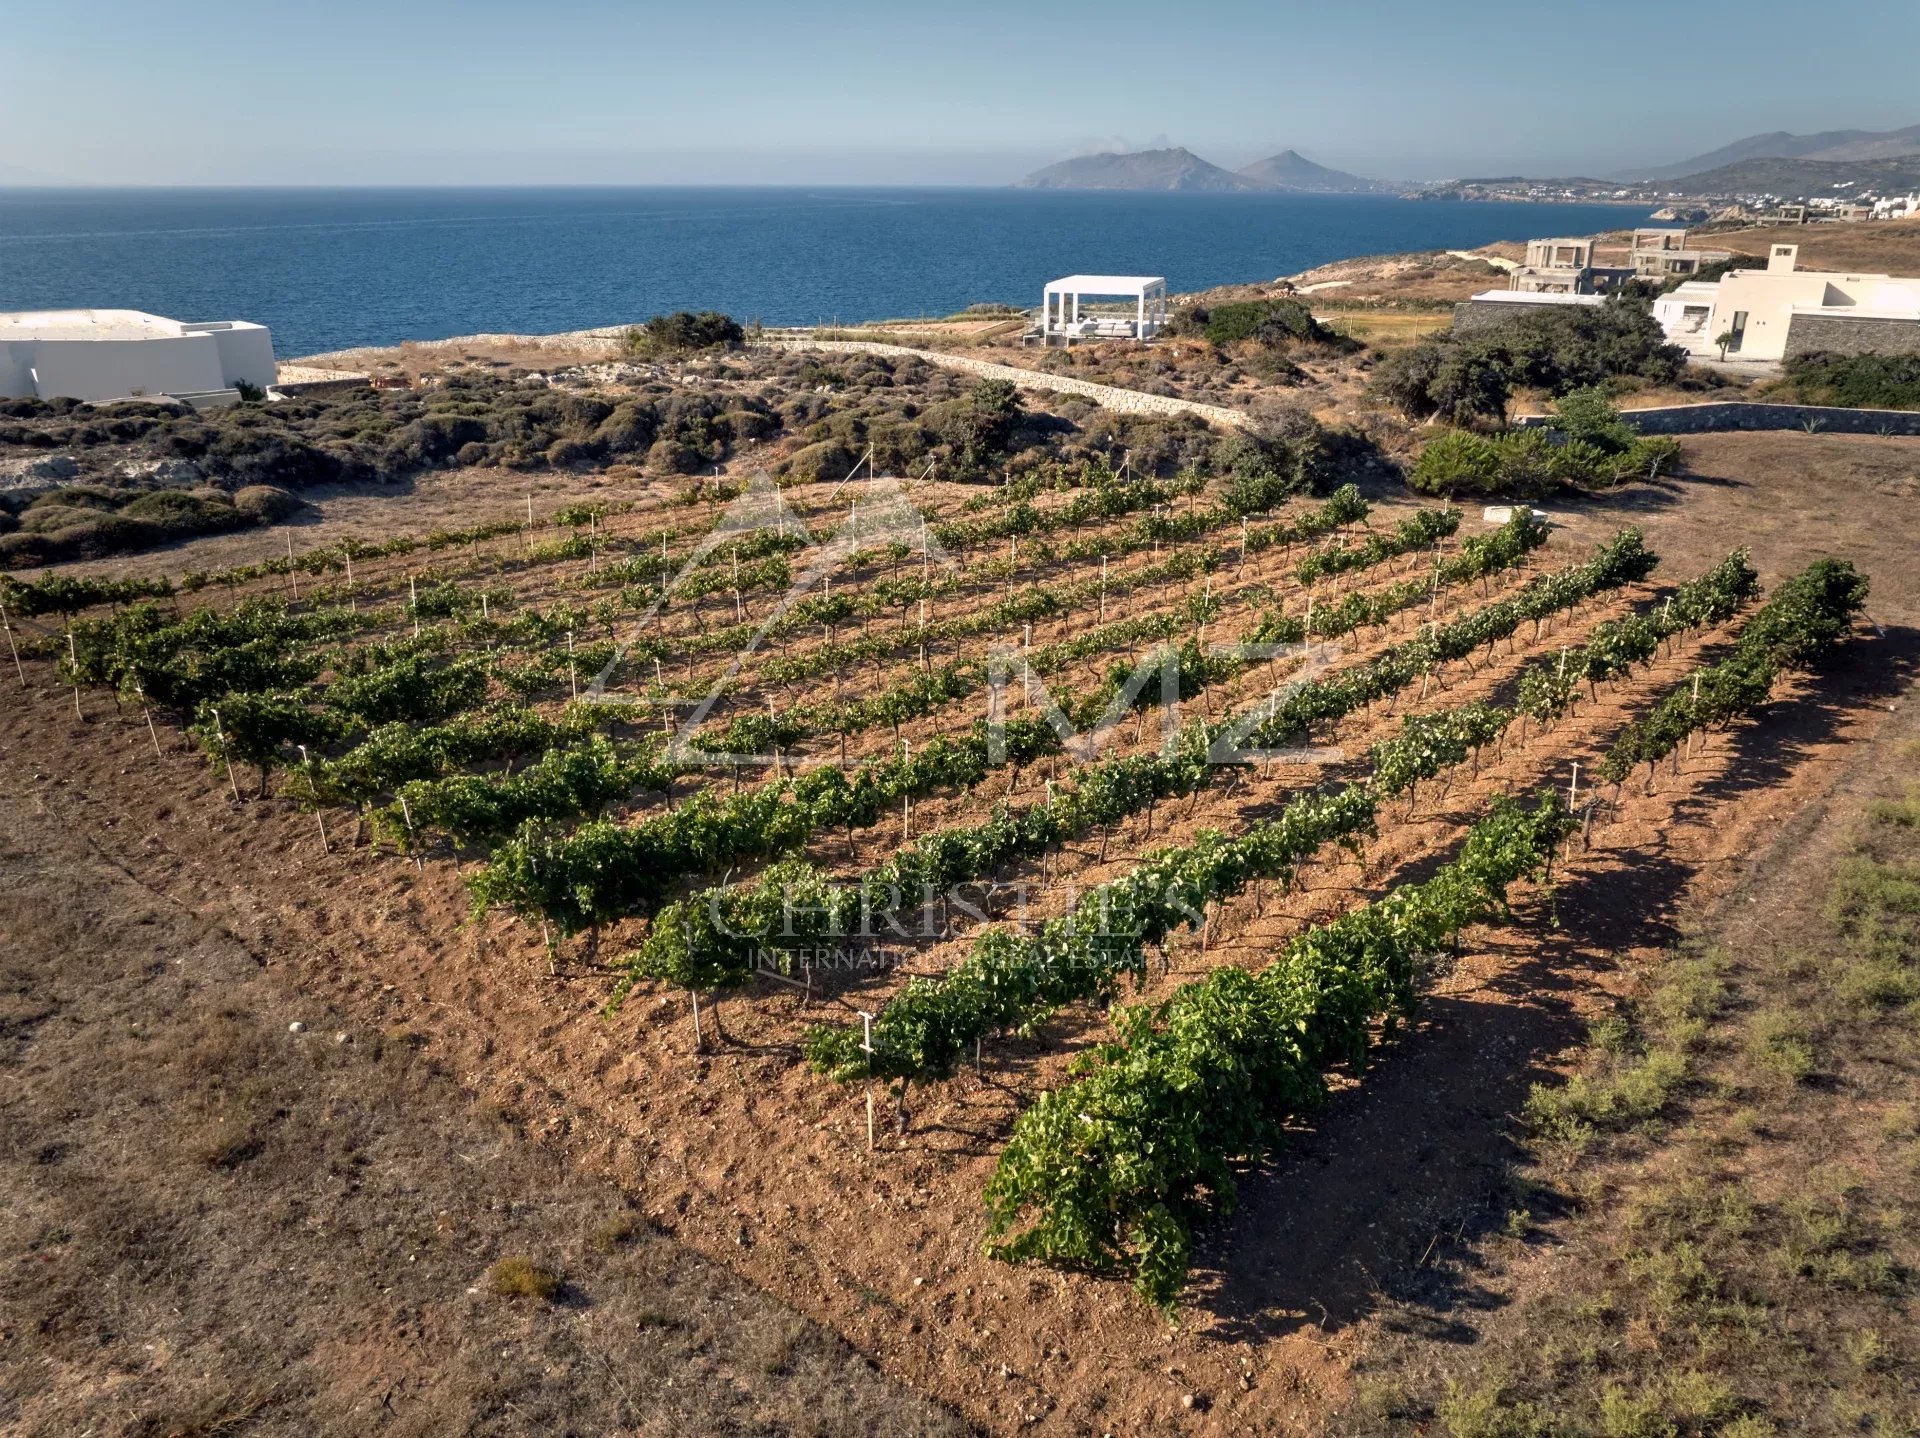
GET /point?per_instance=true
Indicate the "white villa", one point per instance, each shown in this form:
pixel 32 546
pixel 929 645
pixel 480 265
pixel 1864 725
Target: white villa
pixel 1062 323
pixel 1781 311
pixel 125 354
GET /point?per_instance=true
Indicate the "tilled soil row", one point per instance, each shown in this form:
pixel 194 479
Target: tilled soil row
pixel 746 1154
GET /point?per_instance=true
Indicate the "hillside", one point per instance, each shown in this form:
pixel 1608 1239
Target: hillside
pixel 1290 170
pixel 1805 177
pixel 1838 145
pixel 1175 169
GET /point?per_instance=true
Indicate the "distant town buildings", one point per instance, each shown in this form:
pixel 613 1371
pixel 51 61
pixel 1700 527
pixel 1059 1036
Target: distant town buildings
pixel 125 354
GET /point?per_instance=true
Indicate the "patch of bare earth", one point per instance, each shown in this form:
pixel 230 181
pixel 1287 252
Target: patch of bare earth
pixel 763 1167
pixel 215 1224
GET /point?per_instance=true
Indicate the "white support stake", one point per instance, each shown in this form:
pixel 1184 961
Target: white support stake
pixel 73 663
pixel 306 762
pixel 220 735
pixel 18 667
pixel 866 1047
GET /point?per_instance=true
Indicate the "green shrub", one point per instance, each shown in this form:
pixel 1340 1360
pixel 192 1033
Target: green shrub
pixel 1587 414
pixel 1530 464
pixel 83 534
pixel 1271 323
pixel 264 503
pixel 517 1276
pixel 827 461
pixel 683 332
pixel 1459 461
pixel 180 512
pixel 79 496
pixel 567 453
pixel 1853 381
pixel 1556 349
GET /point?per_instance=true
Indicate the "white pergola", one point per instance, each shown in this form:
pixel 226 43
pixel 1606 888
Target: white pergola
pixel 1060 308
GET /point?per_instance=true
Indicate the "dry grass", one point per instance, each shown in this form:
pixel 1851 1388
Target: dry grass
pixel 1710 1229
pixel 1877 247
pixel 215 1226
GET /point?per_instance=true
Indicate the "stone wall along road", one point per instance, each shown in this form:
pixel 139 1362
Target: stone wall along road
pixel 1738 415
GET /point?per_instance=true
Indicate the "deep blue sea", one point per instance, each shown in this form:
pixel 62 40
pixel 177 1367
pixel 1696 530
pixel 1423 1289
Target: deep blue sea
pixel 327 269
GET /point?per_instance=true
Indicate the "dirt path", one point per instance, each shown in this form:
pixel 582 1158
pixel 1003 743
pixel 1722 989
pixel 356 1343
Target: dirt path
pixel 1111 397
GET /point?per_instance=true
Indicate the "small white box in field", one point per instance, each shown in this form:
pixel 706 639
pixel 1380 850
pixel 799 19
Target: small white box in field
pixel 1501 513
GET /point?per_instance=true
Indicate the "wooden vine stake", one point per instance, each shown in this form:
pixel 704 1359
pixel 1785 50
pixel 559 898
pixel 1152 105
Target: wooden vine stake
pixel 220 735
pixel 292 582
pixel 1573 785
pixel 866 1047
pixel 147 714
pixel 18 667
pixel 306 762
pixel 73 663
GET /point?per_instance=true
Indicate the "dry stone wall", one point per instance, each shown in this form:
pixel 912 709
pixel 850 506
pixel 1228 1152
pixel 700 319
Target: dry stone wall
pixel 1735 415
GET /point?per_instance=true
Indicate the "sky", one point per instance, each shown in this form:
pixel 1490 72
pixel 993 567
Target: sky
pixel 908 92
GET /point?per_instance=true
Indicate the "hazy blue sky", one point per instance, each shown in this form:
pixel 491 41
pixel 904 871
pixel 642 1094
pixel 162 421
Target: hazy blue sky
pixel 429 91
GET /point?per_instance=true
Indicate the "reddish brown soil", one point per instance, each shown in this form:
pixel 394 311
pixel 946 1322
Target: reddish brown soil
pixel 762 1165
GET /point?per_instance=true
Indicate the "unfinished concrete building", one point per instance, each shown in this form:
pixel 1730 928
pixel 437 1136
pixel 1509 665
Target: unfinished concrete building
pixel 1664 254
pixel 1565 267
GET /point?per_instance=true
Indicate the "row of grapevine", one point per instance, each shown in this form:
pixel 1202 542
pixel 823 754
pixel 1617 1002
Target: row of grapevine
pixel 601 872
pixel 716 938
pixel 265 722
pixel 1807 616
pixel 1113 1170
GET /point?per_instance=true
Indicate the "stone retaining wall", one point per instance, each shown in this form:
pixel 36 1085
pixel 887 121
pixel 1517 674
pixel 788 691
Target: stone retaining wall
pixel 338 385
pixel 1835 335
pixel 1737 415
pixel 1111 397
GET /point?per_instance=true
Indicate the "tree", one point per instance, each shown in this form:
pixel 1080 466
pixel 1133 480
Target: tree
pixel 1587 414
pixel 1725 340
pixel 684 331
pixel 1471 382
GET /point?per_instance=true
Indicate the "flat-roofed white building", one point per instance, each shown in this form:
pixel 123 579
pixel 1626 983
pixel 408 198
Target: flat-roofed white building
pixel 125 354
pixel 1774 313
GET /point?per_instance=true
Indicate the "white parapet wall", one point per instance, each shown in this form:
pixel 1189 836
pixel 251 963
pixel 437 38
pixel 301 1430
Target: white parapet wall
pixel 124 354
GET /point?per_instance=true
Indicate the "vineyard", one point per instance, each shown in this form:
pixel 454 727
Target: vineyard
pixel 1031 862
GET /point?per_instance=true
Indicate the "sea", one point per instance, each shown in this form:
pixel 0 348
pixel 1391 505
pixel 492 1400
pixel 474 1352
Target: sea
pixel 328 269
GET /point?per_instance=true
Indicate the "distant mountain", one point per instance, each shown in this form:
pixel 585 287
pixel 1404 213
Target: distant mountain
pixel 1176 169
pixel 1290 170
pixel 1804 178
pixel 1837 145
